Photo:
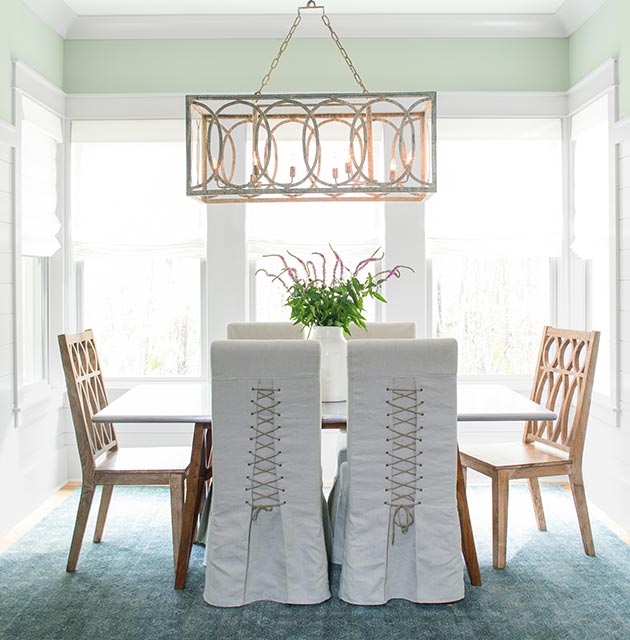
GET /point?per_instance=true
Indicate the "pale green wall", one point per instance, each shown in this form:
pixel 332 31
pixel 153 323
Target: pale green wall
pixel 605 35
pixel 23 35
pixel 111 66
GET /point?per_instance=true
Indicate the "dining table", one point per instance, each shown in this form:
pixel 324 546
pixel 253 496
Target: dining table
pixel 191 403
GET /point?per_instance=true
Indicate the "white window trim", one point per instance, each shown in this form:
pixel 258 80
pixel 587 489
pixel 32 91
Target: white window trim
pixel 27 82
pixel 602 81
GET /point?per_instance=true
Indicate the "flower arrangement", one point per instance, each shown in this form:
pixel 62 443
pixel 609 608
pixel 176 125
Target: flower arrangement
pixel 320 296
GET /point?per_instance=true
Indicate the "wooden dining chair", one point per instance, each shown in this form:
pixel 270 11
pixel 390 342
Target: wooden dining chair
pixel 103 462
pixel 563 382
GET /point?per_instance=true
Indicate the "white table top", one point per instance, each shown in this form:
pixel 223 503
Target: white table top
pixel 191 403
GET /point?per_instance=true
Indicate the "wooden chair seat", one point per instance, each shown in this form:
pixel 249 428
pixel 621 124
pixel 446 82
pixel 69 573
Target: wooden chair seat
pixel 143 460
pixel 513 455
pixel 563 383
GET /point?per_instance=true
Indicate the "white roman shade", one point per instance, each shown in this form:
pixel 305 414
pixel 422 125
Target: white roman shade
pixel 129 191
pixel 41 133
pixel 590 139
pixel 499 188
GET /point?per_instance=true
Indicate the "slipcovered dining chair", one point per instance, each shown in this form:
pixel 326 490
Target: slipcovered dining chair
pixel 394 503
pixel 103 461
pixel 378 331
pixel 264 331
pixel 383 330
pixel 266 530
pixel 563 382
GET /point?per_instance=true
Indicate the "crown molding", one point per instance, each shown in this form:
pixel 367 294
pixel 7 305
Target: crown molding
pixel 55 13
pixel 346 25
pixel 574 13
pixel 60 17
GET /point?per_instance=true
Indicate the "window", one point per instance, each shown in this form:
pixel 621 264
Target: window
pixel 354 229
pixel 139 247
pixel 592 228
pixel 40 136
pixel 494 233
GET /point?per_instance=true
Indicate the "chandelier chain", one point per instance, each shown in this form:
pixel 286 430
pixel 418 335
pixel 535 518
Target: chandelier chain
pixel 333 35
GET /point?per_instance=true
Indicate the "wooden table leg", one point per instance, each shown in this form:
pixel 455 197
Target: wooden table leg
pixel 198 474
pixel 468 541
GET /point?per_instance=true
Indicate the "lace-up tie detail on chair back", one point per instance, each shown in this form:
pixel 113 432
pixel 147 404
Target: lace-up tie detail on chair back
pixel 265 477
pixel 404 456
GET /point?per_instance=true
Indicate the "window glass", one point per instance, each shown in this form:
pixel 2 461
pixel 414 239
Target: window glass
pixel 494 230
pixel 354 229
pixel 40 136
pixel 34 318
pixel 139 242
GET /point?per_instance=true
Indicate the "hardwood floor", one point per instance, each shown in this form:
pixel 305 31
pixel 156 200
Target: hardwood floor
pixel 41 512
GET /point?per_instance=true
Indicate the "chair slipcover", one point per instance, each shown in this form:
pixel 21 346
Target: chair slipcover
pixel 266 535
pixel 383 331
pixel 264 331
pixel 379 331
pixel 402 534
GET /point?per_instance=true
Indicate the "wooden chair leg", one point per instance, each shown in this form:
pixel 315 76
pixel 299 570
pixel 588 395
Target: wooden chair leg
pixel 106 497
pixel 534 492
pixel 579 498
pixel 468 541
pixel 85 502
pixel 176 483
pixel 500 486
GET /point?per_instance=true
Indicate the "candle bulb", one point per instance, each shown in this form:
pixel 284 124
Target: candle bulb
pixel 256 169
pixel 392 170
pixel 348 167
pixel 335 173
pixel 292 172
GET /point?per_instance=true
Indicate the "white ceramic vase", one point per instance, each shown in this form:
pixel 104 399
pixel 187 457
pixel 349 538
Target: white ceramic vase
pixel 334 369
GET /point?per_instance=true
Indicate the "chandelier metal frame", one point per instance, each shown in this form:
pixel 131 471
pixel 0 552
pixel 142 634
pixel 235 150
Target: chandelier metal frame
pixel 235 143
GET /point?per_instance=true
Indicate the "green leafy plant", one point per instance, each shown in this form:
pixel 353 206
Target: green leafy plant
pixel 320 297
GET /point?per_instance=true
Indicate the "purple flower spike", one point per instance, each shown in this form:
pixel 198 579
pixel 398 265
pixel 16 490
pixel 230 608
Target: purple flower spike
pixel 323 257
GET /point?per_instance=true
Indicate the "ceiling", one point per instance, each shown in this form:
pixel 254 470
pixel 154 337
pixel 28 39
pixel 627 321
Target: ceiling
pixel 138 19
pixel 214 7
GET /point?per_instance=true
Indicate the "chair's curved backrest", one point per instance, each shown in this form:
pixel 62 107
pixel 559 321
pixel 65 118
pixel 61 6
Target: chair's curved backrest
pixel 383 330
pixel 264 331
pixel 563 382
pixel 402 536
pixel 87 396
pixel 266 534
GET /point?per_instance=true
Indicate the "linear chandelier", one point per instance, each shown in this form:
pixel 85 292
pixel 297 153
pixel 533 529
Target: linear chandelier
pixel 311 147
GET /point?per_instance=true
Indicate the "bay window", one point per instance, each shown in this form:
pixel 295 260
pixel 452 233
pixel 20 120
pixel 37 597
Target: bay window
pixel 494 238
pixel 139 247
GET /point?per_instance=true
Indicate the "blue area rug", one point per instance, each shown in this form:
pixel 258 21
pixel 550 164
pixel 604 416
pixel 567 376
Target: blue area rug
pixel 123 586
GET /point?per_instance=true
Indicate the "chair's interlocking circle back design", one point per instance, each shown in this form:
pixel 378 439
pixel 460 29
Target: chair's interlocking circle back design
pixel 560 385
pixel 265 477
pixel 404 456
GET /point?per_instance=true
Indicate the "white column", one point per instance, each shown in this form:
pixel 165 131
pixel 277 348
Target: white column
pixel 227 257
